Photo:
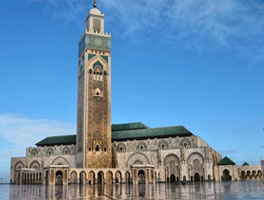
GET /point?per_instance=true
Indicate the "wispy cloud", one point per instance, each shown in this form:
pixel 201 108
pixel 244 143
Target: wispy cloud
pixel 18 132
pixel 21 131
pixel 234 24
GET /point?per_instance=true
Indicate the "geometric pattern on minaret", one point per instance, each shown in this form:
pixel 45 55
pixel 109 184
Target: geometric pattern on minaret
pixel 94 95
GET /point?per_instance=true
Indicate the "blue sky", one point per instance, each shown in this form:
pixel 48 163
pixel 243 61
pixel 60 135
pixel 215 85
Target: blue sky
pixel 194 63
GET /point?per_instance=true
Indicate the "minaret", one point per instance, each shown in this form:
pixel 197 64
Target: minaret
pixel 94 95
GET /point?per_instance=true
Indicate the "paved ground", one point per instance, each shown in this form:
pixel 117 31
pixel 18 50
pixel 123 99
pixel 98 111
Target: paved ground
pixel 239 190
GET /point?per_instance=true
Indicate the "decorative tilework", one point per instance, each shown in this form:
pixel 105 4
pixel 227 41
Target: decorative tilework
pixel 98 64
pixel 81 45
pixel 105 58
pixel 81 68
pixel 95 42
pixel 90 56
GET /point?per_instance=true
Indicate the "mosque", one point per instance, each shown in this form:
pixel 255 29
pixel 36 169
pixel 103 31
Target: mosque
pixel 105 153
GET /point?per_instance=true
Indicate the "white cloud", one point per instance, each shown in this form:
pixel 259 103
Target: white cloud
pixel 21 131
pixel 233 24
pixel 18 132
pixel 228 23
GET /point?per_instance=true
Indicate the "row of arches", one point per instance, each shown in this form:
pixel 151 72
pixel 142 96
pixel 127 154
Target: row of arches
pixel 33 165
pixel 161 145
pixel 251 175
pixel 37 166
pixel 195 167
pixel 244 175
pixel 100 177
pixel 28 178
pixel 50 151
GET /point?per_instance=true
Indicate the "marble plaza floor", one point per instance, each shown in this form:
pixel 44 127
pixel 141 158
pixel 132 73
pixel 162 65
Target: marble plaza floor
pixel 245 190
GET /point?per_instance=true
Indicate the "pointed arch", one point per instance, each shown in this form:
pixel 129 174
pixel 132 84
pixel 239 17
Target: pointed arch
pixel 34 165
pixel 19 165
pixel 60 161
pixel 103 63
pixel 137 156
pixel 98 64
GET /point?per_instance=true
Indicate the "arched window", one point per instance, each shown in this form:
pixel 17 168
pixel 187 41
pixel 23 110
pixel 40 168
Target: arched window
pixel 163 144
pixel 98 92
pixel 186 143
pixel 98 74
pixel 142 146
pixel 49 151
pixel 34 152
pixel 66 150
pixel 121 147
pixel 97 148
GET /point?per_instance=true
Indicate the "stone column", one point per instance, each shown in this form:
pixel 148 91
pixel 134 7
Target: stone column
pixel 148 178
pixel 65 177
pixel 134 173
pixel 20 178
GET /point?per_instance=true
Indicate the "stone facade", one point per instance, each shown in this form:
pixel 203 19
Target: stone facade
pixel 126 153
pixel 94 95
pixel 162 160
pixel 238 173
pixel 179 158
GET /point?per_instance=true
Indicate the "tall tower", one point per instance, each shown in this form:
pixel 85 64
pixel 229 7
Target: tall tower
pixel 94 95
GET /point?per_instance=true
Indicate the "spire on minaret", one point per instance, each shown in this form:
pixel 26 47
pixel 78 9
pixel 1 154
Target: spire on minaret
pixel 94 5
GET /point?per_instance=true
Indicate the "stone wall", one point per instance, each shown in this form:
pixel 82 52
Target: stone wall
pixel 180 157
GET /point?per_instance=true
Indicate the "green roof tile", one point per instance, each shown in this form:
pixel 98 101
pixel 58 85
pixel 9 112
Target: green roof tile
pixel 122 132
pixel 58 140
pixel 128 126
pixel 150 133
pixel 245 164
pixel 226 161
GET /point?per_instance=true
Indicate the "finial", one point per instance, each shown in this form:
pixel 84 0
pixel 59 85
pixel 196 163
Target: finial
pixel 94 5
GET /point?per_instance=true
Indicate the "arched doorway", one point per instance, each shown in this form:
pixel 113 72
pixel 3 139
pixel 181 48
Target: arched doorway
pixel 259 174
pixel 226 175
pixel 109 177
pixel 118 177
pixel 100 177
pixel 91 178
pixel 248 175
pixel 243 175
pixel 196 177
pixel 128 177
pixel 83 178
pixel 172 178
pixel 59 178
pixel 171 164
pixel 141 177
pixel 73 178
pixel 47 178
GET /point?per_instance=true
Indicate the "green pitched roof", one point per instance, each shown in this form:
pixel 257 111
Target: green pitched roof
pixel 122 132
pixel 58 140
pixel 151 133
pixel 128 126
pixel 226 161
pixel 245 164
